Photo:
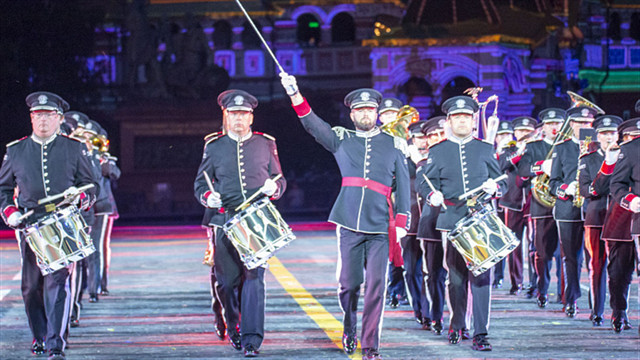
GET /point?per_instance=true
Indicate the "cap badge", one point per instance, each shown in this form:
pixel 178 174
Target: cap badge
pixel 525 121
pixel 76 117
pixel 460 103
pixel 238 100
pixel 89 126
pixel 42 99
pixel 388 103
pixel 638 124
pixel 552 114
pixel 585 112
pixel 441 123
pixel 365 96
pixel 505 126
pixel 606 121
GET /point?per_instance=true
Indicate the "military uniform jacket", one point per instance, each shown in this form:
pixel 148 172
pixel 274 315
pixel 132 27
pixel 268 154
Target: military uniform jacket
pixel 594 187
pixel 238 168
pixel 454 167
pixel 429 214
pixel 516 197
pixel 625 180
pixel 372 156
pixel 416 199
pixel 40 169
pixel 563 172
pixel 527 168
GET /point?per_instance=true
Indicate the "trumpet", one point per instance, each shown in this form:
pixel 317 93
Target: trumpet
pixel 399 127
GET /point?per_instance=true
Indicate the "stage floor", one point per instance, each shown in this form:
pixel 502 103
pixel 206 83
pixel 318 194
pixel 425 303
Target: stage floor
pixel 159 307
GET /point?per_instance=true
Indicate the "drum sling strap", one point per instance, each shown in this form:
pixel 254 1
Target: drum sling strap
pixel 395 250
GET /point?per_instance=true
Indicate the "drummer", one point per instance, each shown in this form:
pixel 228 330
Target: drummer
pixel 239 164
pixel 41 165
pixel 454 167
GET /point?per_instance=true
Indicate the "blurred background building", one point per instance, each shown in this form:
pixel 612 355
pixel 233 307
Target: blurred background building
pixel 150 71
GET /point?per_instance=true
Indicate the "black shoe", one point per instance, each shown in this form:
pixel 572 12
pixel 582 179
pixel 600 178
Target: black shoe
pixel 221 327
pixel 497 284
pixel 455 336
pixel 626 325
pixel 480 343
pixel 542 301
pixel 596 320
pixel 371 354
pixel 56 355
pixel 426 324
pixel 616 324
pixel 251 351
pixel 393 303
pixel 571 310
pixel 437 327
pixel 104 292
pixel 515 290
pixel 465 334
pixel 349 343
pixel 531 292
pixel 403 300
pixel 74 323
pixel 235 341
pixel 93 298
pixel 418 317
pixel 37 347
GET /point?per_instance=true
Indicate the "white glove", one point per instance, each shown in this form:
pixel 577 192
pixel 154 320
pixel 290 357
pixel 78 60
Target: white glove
pixel 414 153
pixel 571 189
pixel 214 201
pixel 269 188
pixel 14 219
pixel 611 155
pixel 400 233
pixel 289 83
pixel 546 167
pixel 436 199
pixel 490 186
pixel 635 205
pixel 73 193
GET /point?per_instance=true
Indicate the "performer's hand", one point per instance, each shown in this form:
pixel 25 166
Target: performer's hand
pixel 436 199
pixel 490 186
pixel 289 83
pixel 269 188
pixel 214 200
pixel 634 205
pixel 73 194
pixel 611 155
pixel 546 167
pixel 400 233
pixel 414 153
pixel 14 219
pixel 571 189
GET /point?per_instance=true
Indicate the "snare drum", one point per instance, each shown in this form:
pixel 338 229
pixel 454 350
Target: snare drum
pixel 258 232
pixel 483 240
pixel 58 239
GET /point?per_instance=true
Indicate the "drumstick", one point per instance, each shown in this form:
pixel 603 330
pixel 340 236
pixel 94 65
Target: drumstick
pixel 433 189
pixel 248 201
pixel 25 215
pixel 58 196
pixel 465 195
pixel 208 180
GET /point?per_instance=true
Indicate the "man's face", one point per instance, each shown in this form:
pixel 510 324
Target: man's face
pixel 520 133
pixel 550 129
pixel 577 125
pixel 238 122
pixel 45 122
pixel 435 137
pixel 364 118
pixel 421 143
pixel 606 138
pixel 388 116
pixel 461 124
pixel 501 139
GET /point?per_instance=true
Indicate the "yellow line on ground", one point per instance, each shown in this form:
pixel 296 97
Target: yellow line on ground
pixel 327 322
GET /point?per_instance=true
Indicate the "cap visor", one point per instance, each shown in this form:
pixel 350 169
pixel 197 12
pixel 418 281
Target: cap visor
pixel 45 107
pixel 388 109
pixel 552 120
pixel 460 111
pixel 524 128
pixel 239 108
pixel 581 119
pixel 601 129
pixel 364 104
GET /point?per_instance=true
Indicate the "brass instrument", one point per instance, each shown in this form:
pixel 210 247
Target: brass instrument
pixel 577 100
pixel 578 200
pixel 399 127
pixel 100 143
pixel 490 124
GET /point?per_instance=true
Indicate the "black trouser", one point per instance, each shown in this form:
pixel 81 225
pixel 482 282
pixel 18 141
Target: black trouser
pixel 248 311
pixel 498 268
pixel 216 303
pixel 571 239
pixel 531 253
pixel 106 255
pixel 396 281
pixel 597 268
pixel 546 243
pixel 357 252
pixel 622 256
pixel 432 264
pixel 78 281
pixel 47 300
pixel 515 221
pixel 459 280
pixel 414 277
pixel 93 261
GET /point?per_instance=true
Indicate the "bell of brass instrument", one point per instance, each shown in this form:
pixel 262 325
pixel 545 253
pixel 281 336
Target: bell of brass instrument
pixel 100 142
pixel 578 200
pixel 399 127
pixel 577 100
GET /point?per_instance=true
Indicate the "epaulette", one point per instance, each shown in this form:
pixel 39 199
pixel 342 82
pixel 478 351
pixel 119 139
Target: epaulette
pixel 483 140
pixel 589 153
pixel 265 135
pixel 341 132
pixel 565 140
pixel 212 135
pixel 438 143
pixel 214 138
pixel 71 138
pixel 16 141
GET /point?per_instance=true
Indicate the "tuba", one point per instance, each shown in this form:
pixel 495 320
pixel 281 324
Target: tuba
pixel 489 124
pixel 399 127
pixel 540 184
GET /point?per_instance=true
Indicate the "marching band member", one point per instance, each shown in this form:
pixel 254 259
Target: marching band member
pixel 625 190
pixel 41 165
pixel 388 110
pixel 594 187
pixel 455 166
pixel 110 172
pixel 515 200
pixel 530 164
pixel 564 185
pixel 239 164
pixel 370 162
pixel 430 238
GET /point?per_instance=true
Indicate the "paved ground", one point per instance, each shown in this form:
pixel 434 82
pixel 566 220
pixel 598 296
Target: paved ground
pixel 159 308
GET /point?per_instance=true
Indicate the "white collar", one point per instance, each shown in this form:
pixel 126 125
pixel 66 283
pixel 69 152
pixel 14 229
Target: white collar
pixel 367 134
pixel 549 141
pixel 575 140
pixel 458 140
pixel 237 138
pixel 45 141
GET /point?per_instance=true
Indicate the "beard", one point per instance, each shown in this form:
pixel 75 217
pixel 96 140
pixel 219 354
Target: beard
pixel 364 124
